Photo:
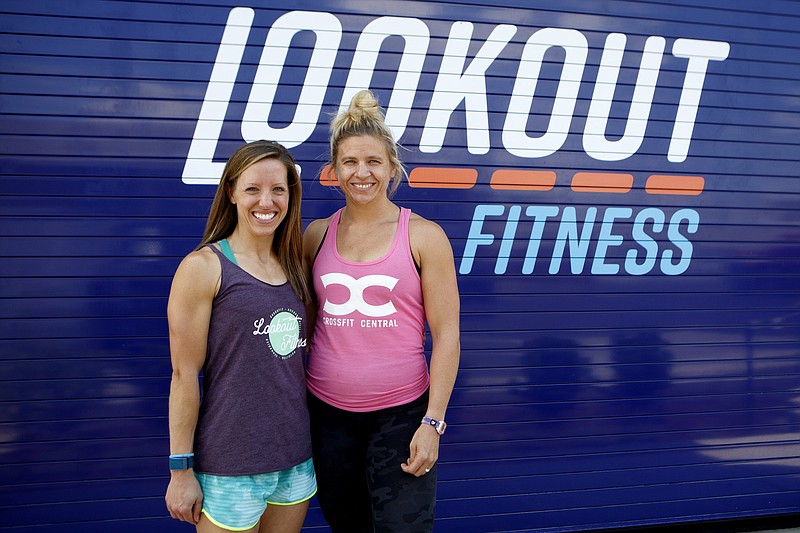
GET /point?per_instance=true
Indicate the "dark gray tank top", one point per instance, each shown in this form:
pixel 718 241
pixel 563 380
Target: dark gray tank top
pixel 253 416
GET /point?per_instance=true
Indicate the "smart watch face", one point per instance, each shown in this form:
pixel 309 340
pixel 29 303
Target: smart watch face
pixel 438 425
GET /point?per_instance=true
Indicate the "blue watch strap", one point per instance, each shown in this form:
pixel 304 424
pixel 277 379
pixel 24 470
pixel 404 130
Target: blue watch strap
pixel 182 461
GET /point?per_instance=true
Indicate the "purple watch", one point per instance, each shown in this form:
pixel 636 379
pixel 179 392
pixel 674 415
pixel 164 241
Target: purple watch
pixel 438 425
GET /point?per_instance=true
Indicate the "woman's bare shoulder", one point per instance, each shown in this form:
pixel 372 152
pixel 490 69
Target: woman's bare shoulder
pixel 424 231
pixel 200 265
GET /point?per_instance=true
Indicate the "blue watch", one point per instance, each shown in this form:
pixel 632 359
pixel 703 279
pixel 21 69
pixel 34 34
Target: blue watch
pixel 438 425
pixel 182 461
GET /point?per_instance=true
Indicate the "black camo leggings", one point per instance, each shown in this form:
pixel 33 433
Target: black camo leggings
pixel 357 457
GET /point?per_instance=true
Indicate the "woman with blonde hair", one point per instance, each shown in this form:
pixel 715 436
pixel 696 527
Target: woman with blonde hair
pixel 240 456
pixel 379 273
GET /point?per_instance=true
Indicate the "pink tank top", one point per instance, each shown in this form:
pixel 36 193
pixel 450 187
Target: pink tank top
pixel 367 349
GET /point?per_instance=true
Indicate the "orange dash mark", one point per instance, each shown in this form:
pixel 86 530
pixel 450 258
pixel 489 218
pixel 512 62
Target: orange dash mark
pixel 327 177
pixel 684 185
pixel 523 180
pixel 601 182
pixel 443 178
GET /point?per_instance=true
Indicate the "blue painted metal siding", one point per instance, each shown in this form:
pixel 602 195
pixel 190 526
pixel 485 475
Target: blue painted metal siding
pixel 629 357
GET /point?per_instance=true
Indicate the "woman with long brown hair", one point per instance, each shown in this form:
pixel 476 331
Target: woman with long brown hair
pixel 240 454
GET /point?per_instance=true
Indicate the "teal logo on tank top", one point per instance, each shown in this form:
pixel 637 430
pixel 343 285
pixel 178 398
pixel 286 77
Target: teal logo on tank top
pixel 282 331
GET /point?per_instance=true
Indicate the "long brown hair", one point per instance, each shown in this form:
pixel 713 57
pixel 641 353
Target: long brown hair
pixel 288 241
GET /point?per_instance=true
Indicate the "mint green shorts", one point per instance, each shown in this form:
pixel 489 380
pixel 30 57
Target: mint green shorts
pixel 236 503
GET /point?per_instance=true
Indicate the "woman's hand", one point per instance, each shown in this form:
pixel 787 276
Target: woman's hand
pixel 423 451
pixel 184 497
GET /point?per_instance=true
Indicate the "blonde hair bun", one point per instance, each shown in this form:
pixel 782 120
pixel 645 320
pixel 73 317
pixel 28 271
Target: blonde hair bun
pixel 363 112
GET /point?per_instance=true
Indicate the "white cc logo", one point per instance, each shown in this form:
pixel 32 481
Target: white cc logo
pixel 357 288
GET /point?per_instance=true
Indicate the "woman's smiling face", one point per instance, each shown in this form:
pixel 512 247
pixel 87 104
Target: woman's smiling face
pixel 261 196
pixel 363 168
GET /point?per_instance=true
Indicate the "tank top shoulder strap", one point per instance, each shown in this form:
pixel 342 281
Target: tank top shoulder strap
pixel 404 238
pixel 329 236
pixel 222 256
pixel 225 246
pixel 402 227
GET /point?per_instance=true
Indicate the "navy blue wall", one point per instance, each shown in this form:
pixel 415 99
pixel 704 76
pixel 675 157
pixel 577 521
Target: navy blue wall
pixel 639 371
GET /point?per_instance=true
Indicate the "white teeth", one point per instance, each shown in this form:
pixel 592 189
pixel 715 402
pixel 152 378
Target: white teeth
pixel 264 216
pixel 362 186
